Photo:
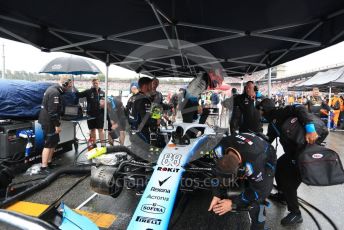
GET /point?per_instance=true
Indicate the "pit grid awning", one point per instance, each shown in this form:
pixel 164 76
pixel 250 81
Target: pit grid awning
pixel 323 80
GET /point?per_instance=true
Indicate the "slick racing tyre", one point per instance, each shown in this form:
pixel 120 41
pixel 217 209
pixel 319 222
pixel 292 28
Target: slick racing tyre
pixel 105 180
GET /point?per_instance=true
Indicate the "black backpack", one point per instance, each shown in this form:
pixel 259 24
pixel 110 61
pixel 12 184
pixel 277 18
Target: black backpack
pixel 320 166
pixel 293 132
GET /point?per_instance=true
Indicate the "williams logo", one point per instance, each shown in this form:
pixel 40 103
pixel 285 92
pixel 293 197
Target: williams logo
pixel 317 155
pixel 153 208
pixel 154 189
pixel 161 182
pixel 293 120
pixel 166 169
pixel 148 220
pixel 158 198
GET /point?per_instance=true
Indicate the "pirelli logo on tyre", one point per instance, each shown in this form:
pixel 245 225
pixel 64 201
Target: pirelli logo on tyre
pixel 148 220
pixel 153 208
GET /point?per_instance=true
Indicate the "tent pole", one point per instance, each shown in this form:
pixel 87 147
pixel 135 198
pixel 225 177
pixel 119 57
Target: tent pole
pixel 106 98
pixel 3 61
pixel 329 113
pixel 269 83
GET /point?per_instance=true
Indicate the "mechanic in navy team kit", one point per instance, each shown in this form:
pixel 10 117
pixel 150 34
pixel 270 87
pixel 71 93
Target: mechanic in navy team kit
pixel 49 118
pixel 95 99
pixel 288 177
pixel 247 156
pixel 245 117
pixel 139 111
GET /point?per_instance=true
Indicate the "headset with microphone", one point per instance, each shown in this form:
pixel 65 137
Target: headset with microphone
pixel 66 83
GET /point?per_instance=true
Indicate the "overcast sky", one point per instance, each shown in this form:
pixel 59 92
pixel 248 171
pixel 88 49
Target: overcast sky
pixel 20 56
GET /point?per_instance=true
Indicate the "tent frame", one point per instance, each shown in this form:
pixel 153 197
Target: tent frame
pixel 160 16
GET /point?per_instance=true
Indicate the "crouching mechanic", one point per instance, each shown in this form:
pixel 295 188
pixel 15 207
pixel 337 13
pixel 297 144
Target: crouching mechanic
pixel 250 157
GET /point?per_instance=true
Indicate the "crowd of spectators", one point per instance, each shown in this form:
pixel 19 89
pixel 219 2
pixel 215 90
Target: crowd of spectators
pixel 280 88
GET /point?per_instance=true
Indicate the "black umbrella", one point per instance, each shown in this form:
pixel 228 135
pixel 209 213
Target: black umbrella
pixel 70 65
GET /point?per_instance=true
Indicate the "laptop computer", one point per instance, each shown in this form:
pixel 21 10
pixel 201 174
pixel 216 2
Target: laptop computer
pixel 72 112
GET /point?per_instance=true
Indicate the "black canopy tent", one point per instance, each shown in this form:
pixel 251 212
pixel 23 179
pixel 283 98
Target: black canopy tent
pixel 240 36
pixel 177 37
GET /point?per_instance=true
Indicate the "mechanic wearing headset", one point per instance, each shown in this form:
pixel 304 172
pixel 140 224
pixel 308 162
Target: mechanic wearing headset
pixel 250 157
pixel 287 173
pixel 245 117
pixel 49 118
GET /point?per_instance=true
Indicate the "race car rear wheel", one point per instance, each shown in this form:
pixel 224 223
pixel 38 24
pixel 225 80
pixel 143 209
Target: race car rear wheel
pixel 106 181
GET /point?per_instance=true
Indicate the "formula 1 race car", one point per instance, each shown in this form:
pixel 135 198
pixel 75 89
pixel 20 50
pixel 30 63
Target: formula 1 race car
pixel 186 163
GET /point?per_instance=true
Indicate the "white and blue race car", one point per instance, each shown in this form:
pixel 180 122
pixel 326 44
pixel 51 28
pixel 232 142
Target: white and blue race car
pixel 185 164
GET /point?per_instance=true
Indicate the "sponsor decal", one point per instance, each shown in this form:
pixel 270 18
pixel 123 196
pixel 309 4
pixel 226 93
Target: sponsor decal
pixel 244 139
pixel 249 169
pixel 56 66
pixel 258 178
pixel 153 208
pixel 170 159
pixel 293 120
pixel 158 198
pixel 161 182
pixel 219 151
pixel 251 134
pixel 167 169
pixel 154 189
pixel 317 156
pixel 148 220
pixel 56 100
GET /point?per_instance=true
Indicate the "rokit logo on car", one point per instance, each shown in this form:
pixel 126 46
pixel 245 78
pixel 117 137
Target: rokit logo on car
pixel 148 220
pixel 166 169
pixel 153 208
pixel 154 189
pixel 158 198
